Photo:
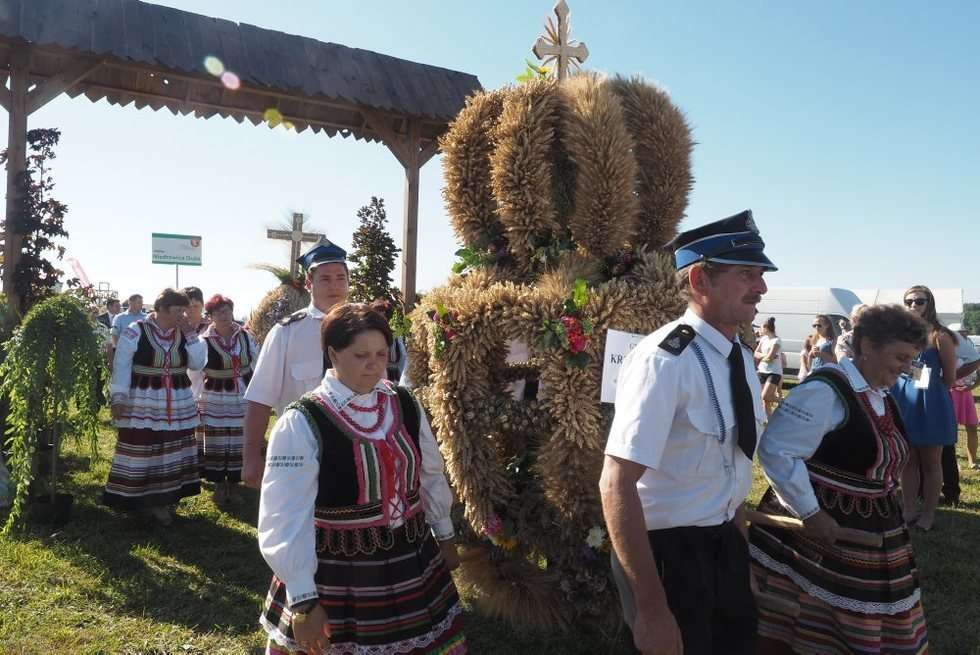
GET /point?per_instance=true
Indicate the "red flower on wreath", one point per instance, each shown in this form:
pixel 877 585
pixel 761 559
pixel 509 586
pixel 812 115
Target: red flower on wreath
pixel 572 331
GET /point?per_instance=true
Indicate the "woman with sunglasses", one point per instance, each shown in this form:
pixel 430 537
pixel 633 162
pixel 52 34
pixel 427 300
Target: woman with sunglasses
pixel 924 400
pixel 821 344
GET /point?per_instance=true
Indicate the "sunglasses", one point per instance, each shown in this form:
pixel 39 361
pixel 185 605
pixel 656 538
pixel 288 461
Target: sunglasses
pixel 918 302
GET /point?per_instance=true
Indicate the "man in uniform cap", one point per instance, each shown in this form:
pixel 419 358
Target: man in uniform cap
pixel 678 463
pixel 292 361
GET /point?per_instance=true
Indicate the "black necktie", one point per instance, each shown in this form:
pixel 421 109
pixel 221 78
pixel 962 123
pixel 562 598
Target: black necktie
pixel 742 397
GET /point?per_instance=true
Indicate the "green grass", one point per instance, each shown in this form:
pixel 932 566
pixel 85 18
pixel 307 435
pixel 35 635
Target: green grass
pixel 110 583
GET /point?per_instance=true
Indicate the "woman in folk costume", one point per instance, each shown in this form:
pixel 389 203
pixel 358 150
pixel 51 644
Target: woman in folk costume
pixel 354 515
pixel 834 452
pixel 155 463
pixel 231 357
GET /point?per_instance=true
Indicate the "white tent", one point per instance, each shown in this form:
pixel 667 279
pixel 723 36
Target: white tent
pixel 949 302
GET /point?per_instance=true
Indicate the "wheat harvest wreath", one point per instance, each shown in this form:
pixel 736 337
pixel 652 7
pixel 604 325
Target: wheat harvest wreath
pixel 563 195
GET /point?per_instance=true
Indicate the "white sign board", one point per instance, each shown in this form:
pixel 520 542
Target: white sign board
pixel 183 249
pixel 618 346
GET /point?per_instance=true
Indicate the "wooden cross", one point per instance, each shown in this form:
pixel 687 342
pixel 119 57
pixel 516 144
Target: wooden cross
pixel 296 236
pixel 557 45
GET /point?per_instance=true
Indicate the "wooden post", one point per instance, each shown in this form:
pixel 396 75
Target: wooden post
pixel 410 237
pixel 16 164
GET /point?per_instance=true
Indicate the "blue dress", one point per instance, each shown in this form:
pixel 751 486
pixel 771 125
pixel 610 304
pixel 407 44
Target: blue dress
pixel 928 413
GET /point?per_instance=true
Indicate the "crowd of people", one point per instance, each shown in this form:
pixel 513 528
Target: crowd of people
pixel 354 510
pixel 855 455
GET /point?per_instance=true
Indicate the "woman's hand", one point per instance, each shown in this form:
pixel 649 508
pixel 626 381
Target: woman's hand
pixel 448 550
pixel 313 634
pixel 822 527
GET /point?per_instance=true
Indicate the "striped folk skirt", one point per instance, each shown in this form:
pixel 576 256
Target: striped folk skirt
pixel 151 468
pixel 221 453
pixel 395 602
pixel 852 598
pixel 221 435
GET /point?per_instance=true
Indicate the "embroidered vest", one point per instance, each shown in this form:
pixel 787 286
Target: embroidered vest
pixel 858 465
pixel 362 477
pixel 150 361
pixel 222 369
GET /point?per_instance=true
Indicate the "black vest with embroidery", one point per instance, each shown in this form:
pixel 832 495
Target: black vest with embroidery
pixel 355 488
pixel 219 372
pixel 858 465
pixel 149 369
pixel 850 447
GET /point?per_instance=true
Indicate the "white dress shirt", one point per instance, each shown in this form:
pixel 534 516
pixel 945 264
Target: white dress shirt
pixel 796 430
pixel 287 538
pixel 666 420
pixel 290 362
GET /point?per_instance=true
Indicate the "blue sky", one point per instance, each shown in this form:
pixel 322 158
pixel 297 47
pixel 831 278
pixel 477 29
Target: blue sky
pixel 851 130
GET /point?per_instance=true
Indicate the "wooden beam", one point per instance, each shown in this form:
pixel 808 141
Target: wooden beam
pixel 143 98
pixel 410 228
pixel 16 164
pixel 53 51
pixel 47 91
pixel 396 142
pixel 428 151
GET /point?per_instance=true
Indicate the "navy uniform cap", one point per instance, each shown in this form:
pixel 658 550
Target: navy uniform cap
pixel 324 252
pixel 732 240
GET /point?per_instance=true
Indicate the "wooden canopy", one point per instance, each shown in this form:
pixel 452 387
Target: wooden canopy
pixel 135 53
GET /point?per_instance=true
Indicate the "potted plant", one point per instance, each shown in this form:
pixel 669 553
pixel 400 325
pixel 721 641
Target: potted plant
pixel 49 377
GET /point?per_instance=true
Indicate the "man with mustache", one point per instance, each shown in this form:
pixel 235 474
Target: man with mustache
pixel 678 463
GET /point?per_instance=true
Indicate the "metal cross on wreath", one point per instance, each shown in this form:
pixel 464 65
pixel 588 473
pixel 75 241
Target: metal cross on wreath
pixel 296 236
pixel 557 45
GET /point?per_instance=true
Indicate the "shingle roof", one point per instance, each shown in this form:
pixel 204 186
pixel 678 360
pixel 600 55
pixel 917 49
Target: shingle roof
pixel 139 34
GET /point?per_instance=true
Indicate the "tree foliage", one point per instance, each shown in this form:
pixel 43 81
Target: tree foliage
pixel 373 256
pixel 40 218
pixel 971 317
pixel 50 376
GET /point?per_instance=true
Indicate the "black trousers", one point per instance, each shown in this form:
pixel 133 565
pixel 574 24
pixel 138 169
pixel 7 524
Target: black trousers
pixel 705 573
pixel 951 475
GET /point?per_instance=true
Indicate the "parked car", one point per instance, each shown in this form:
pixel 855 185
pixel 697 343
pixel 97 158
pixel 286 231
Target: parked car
pixel 794 309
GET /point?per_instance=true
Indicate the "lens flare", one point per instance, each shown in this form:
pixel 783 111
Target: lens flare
pixel 272 116
pixel 230 80
pixel 214 65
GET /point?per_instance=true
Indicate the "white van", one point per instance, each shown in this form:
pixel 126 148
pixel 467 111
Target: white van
pixel 794 309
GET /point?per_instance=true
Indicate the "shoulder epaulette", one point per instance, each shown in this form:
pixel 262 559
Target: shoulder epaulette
pixel 678 339
pixel 295 316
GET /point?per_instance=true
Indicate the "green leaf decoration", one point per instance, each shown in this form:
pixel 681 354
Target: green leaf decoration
pixel 579 360
pixel 580 293
pixel 532 72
